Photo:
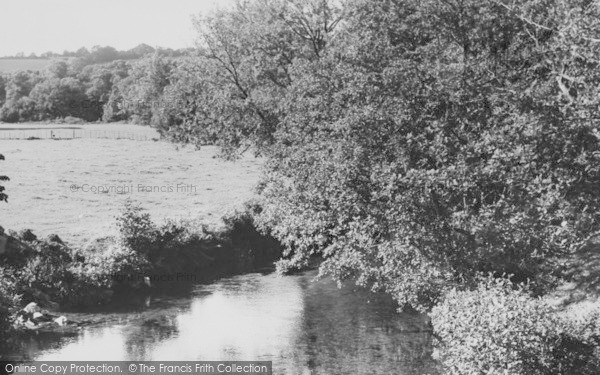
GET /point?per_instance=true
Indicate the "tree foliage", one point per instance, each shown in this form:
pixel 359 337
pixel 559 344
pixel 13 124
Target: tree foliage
pixel 59 98
pixel 92 86
pixel 411 143
pixel 246 57
pixel 499 329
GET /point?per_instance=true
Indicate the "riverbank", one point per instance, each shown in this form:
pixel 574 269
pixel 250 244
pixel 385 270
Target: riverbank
pixel 143 259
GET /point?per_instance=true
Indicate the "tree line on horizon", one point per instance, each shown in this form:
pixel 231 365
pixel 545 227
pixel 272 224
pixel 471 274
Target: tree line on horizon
pixel 101 54
pixel 100 87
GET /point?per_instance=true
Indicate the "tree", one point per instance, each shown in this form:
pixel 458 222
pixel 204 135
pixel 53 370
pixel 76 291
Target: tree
pixel 413 144
pixel 82 53
pixel 58 69
pixel 101 55
pixel 248 53
pixel 140 50
pixel 59 98
pixel 418 152
pixel 2 90
pixel 19 85
pixel 18 106
pixel 141 90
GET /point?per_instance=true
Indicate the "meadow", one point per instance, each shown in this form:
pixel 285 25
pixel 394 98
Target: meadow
pixel 14 65
pixel 75 188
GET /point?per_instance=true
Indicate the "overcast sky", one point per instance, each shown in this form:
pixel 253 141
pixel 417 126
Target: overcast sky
pixel 56 25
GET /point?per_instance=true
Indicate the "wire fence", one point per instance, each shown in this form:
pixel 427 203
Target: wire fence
pixel 74 134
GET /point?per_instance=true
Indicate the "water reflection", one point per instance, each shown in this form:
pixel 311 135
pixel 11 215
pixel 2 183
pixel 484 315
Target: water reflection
pixel 304 327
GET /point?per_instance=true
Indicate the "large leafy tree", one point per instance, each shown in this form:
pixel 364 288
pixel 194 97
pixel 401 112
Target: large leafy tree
pixel 56 98
pixel 432 150
pixel 18 106
pixel 19 85
pixel 139 93
pixel 419 142
pixel 246 54
pixel 58 69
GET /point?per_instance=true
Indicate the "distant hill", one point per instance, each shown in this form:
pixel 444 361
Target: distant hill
pixel 13 65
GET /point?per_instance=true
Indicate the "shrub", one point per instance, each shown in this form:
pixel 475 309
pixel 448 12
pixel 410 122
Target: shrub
pixel 498 328
pixel 159 244
pixel 251 243
pixel 43 269
pixel 27 235
pixel 9 301
pixel 49 275
pixel 116 266
pixel 136 229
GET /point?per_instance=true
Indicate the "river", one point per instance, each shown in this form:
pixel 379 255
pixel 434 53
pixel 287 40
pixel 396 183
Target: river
pixel 302 325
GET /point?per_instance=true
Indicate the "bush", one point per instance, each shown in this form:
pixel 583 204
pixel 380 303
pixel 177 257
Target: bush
pixel 167 247
pixel 250 242
pixel 27 235
pixel 48 275
pixel 136 229
pixel 9 301
pixel 498 328
pixel 114 267
pixel 42 269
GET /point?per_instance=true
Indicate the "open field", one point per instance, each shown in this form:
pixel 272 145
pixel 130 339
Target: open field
pixel 75 188
pixel 14 65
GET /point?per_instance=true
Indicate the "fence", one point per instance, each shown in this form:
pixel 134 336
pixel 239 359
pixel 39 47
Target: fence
pixel 74 134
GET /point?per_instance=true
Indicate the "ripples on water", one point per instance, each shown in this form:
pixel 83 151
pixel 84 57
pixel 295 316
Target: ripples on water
pixel 303 326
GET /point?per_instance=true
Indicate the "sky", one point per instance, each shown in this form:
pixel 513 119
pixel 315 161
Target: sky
pixel 39 26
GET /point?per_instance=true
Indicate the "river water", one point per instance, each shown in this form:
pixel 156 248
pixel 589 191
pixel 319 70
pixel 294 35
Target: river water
pixel 302 325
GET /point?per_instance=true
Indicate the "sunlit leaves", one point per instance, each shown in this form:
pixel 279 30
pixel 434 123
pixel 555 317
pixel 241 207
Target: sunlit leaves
pixel 420 141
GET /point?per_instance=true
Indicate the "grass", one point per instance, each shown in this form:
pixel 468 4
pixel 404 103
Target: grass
pixel 167 182
pixel 14 65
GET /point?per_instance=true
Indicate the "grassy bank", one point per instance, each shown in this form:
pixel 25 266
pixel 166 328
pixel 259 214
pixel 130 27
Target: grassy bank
pixel 142 258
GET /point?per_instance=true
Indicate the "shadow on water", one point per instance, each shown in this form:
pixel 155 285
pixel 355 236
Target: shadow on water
pixel 303 326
